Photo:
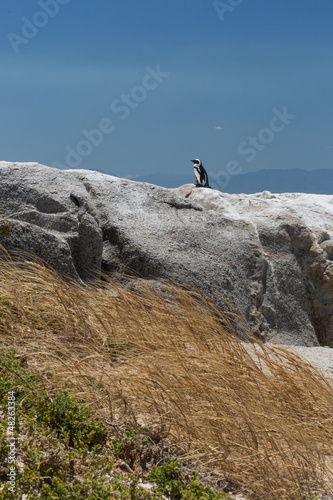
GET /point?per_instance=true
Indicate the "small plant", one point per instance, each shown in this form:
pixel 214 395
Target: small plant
pixel 6 228
pixel 168 478
pixel 70 419
pixel 195 490
pixel 171 481
pixel 4 302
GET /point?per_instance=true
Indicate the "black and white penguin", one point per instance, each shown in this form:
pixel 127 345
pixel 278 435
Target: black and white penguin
pixel 200 173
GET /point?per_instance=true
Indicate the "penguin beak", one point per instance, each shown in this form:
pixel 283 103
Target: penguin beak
pixel 192 161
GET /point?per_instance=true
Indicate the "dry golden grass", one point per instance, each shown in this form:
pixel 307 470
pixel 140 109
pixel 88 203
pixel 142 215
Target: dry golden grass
pixel 264 422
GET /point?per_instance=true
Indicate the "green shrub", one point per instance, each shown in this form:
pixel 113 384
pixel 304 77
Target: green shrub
pixel 72 420
pixel 170 480
pixel 78 471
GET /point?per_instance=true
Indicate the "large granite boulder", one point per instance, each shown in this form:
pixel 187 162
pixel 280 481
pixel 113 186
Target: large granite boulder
pixel 49 212
pixel 266 257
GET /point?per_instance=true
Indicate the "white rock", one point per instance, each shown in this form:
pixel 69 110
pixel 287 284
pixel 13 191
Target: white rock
pixel 268 258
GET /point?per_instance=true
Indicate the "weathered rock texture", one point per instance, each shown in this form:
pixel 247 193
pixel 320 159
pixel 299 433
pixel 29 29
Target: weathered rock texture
pixel 266 257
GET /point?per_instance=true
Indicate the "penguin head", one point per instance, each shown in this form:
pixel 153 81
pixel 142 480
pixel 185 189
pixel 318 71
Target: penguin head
pixel 196 163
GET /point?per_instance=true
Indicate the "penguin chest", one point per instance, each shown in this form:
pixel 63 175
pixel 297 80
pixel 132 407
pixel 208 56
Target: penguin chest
pixel 197 175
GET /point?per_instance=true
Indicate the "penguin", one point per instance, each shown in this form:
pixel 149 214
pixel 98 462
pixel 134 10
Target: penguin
pixel 200 173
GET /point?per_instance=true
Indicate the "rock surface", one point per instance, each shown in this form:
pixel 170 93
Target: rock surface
pixel 266 257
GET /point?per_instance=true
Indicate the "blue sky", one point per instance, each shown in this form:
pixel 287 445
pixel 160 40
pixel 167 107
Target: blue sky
pixel 222 77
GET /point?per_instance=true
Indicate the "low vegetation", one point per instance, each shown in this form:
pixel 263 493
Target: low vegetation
pixel 63 451
pixel 114 382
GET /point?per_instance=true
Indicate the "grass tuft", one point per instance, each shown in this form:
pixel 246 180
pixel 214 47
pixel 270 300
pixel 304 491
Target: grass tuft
pixel 259 417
